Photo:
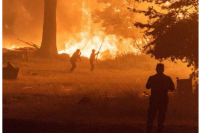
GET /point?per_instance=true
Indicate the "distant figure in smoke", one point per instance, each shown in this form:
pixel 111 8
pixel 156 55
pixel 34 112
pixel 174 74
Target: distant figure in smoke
pixel 92 59
pixel 159 85
pixel 73 59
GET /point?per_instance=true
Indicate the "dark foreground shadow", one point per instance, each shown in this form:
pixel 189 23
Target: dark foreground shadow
pixel 30 126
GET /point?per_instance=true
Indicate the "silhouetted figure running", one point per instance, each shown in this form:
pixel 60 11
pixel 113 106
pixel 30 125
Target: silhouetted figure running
pixel 73 59
pixel 92 59
pixel 159 85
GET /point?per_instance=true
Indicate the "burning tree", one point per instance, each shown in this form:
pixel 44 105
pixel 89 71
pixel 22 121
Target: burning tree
pixel 115 19
pixel 173 30
pixel 48 46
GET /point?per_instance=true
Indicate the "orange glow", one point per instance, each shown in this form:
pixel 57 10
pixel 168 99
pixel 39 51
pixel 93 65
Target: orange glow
pixel 180 16
pixel 167 3
pixel 91 37
pixel 117 10
pixel 108 4
pixel 12 47
pixel 88 36
pixel 110 43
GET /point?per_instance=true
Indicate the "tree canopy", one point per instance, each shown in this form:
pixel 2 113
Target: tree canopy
pixel 172 29
pixel 115 18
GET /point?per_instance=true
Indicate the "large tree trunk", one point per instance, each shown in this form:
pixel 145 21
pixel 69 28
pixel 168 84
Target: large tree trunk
pixel 48 46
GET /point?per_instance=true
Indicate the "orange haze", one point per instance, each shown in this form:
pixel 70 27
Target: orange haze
pixel 24 19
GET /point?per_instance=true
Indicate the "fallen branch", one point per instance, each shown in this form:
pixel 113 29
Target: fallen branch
pixel 30 43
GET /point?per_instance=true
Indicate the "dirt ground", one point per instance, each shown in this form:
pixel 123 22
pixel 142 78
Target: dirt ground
pixel 47 99
pixel 28 126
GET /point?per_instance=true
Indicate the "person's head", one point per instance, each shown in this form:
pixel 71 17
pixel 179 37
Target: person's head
pixel 160 68
pixel 93 50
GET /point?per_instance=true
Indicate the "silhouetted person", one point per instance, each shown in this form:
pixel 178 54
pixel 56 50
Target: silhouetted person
pixel 92 59
pixel 73 59
pixel 159 85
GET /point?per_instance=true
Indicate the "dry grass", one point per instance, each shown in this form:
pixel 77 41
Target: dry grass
pixel 46 91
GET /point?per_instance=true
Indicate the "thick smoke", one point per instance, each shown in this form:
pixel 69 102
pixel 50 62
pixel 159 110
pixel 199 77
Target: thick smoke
pixel 24 19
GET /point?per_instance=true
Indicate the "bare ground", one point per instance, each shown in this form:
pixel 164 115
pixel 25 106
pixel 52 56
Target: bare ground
pixel 55 101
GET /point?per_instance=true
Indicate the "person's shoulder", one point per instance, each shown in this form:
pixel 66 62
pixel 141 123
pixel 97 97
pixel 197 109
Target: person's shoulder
pixel 166 76
pixel 152 76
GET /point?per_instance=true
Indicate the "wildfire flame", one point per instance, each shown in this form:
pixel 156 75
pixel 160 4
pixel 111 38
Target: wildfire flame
pixel 110 43
pixel 91 37
pixel 86 41
pixel 12 47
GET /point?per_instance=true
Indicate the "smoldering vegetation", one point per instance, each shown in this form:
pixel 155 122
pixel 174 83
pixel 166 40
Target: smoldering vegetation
pixel 112 98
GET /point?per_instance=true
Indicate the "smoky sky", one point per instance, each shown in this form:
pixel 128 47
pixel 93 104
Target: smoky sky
pixel 24 19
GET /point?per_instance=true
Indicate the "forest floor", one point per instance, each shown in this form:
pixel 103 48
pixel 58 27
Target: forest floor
pixel 46 98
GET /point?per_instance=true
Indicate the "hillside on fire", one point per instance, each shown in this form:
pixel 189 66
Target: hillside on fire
pixel 100 66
